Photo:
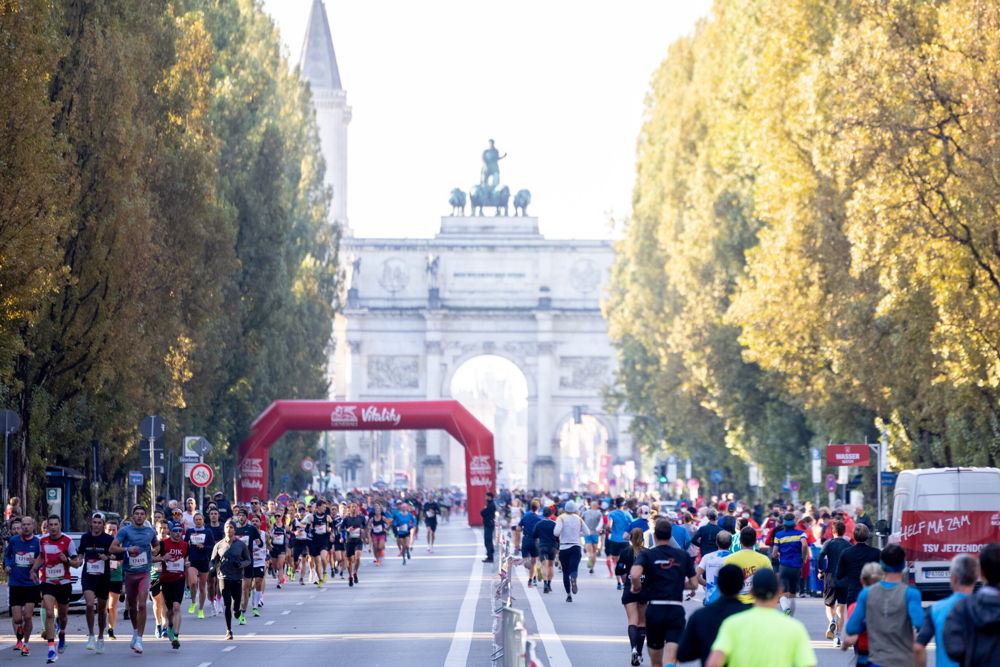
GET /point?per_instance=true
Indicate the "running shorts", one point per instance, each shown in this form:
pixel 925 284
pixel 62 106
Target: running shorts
pixel 251 572
pixel 115 587
pixel 155 588
pixel 100 585
pixel 833 594
pixel 277 551
pixel 790 578
pixel 547 551
pixel 664 624
pixel 136 585
pixel 431 523
pixel 300 549
pixel 61 592
pixel 200 565
pixel 613 549
pixel 173 591
pixel 529 548
pixel 591 539
pixel 354 546
pixel 22 595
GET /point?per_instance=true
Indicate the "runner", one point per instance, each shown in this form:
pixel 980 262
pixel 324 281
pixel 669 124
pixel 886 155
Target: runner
pixel 279 545
pixel 172 556
pixel 160 614
pixel 662 574
pixel 616 539
pixel 258 554
pixel 710 564
pixel 338 561
pixel 547 547
pixel 58 554
pixel 95 547
pixel 791 550
pixel 319 547
pixel 250 536
pixel 402 523
pixel 19 557
pixel 302 531
pixel 230 557
pixel 594 518
pixel 431 512
pixel 377 529
pixel 635 607
pixel 115 580
pixel 570 529
pixel 529 544
pixel 357 534
pixel 834 592
pixel 137 540
pixel 217 529
pixel 200 542
pixel 749 561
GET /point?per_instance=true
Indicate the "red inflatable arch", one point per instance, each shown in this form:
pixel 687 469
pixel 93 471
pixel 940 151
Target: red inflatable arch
pixel 282 416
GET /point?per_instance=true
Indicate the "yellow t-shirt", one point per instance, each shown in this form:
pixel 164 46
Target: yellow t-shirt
pixel 749 561
pixel 749 639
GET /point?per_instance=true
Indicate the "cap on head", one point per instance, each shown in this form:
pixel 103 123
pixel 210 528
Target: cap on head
pixel 176 526
pixel 644 511
pixel 570 507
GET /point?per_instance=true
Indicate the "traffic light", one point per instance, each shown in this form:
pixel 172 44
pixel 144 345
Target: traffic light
pixel 577 414
pixel 661 471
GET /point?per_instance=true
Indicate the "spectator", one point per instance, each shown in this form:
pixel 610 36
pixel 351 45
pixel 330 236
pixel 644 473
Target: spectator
pixel 890 611
pixel 13 509
pixel 964 573
pixel 703 626
pixel 972 629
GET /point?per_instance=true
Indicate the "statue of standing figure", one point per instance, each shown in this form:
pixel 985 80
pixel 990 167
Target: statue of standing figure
pixel 490 177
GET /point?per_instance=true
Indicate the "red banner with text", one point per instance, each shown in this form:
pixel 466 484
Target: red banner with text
pixel 926 535
pixel 847 455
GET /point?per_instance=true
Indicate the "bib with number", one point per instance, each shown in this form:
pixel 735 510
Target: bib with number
pixel 23 559
pixel 95 567
pixel 259 557
pixel 319 528
pixel 430 513
pixel 198 538
pixel 354 532
pixel 54 572
pixel 245 539
pixel 175 565
pixel 377 528
pixel 278 539
pixel 115 564
pixel 141 559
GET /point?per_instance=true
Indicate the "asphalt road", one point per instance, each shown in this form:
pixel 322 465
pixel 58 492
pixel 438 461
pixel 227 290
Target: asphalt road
pixel 435 611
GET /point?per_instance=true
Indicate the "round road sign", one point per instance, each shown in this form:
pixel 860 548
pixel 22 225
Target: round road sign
pixel 794 486
pixel 307 464
pixel 283 499
pixel 831 483
pixel 201 474
pixel 693 483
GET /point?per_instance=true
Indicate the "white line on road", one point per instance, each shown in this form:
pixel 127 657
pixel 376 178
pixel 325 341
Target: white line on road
pixel 269 623
pixel 555 652
pixel 461 641
pixel 299 604
pixel 286 612
pixel 250 634
pixel 204 664
pixel 228 649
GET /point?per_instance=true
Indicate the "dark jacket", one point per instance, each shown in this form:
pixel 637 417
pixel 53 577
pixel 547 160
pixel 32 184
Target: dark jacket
pixel 704 539
pixel 489 514
pixel 972 630
pixel 829 558
pixel 703 626
pixel 849 568
pixel 231 558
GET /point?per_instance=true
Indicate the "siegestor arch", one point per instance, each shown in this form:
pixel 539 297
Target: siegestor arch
pixel 283 416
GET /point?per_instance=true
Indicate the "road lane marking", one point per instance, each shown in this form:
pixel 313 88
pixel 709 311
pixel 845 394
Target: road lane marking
pixel 204 664
pixel 228 649
pixel 250 634
pixel 286 612
pixel 269 623
pixel 554 650
pixel 299 604
pixel 461 641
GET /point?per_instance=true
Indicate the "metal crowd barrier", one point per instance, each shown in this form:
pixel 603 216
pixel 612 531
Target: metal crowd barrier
pixel 511 647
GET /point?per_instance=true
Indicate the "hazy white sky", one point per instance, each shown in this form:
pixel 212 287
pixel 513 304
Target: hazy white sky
pixel 559 84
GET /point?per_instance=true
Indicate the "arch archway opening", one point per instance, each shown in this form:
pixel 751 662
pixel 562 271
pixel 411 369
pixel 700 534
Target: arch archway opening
pixel 583 449
pixel 495 391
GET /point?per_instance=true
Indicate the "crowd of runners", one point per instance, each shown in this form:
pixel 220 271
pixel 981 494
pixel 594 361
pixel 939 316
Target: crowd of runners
pixel 202 562
pixel 747 565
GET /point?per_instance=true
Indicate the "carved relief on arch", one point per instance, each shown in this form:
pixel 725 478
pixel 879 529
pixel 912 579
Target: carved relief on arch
pixel 393 371
pixel 583 372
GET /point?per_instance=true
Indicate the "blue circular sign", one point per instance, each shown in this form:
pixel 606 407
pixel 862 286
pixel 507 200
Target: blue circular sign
pixel 715 476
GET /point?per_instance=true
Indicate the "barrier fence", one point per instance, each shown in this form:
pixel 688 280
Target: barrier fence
pixel 511 646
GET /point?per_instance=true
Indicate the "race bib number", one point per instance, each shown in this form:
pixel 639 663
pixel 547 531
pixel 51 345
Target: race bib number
pixel 245 539
pixel 115 564
pixel 377 529
pixel 430 513
pixel 403 530
pixel 176 565
pixel 278 539
pixel 259 557
pixel 54 572
pixel 139 560
pixel 198 538
pixel 95 567
pixel 354 532
pixel 23 559
pixel 319 528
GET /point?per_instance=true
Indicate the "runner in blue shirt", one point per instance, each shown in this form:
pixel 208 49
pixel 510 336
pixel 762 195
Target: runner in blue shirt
pixel 790 548
pixel 402 523
pixel 529 547
pixel 617 539
pixel 136 541
pixel 24 589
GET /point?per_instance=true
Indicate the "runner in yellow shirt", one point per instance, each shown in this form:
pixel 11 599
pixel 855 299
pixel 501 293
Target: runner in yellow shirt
pixel 748 560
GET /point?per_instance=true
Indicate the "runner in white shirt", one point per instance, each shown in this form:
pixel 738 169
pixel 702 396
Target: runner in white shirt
pixel 708 568
pixel 570 529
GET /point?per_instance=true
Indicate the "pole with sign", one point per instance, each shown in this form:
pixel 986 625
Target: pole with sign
pixel 152 428
pixel 671 468
pixel 11 424
pixel 817 472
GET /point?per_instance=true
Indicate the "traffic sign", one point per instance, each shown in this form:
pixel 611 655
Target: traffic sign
pixel 794 486
pixel 201 474
pixel 188 459
pixel 693 483
pixel 848 455
pixel 888 478
pixel 11 421
pixel 831 483
pixel 283 499
pixel 135 477
pixel 307 464
pixel 201 447
pixel 152 426
pixel 715 476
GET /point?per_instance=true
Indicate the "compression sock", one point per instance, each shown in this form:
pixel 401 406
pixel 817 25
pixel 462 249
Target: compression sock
pixel 633 635
pixel 20 632
pixel 641 633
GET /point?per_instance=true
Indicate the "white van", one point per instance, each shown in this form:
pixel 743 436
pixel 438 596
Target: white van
pixel 941 489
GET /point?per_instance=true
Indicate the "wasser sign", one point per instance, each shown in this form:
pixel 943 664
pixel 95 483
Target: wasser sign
pixel 847 455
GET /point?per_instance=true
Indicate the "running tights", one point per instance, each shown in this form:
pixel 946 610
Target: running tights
pixel 570 561
pixel 232 596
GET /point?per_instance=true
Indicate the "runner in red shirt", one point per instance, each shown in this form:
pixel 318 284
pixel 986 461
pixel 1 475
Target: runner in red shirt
pixel 58 554
pixel 173 552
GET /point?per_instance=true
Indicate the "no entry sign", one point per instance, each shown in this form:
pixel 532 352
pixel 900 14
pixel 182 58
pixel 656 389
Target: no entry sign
pixel 201 474
pixel 847 455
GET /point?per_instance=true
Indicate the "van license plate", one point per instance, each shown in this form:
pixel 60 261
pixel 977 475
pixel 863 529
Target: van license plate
pixel 937 574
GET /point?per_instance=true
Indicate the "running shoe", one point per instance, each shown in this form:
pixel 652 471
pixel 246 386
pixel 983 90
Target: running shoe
pixel 635 658
pixel 243 619
pixel 61 646
pixel 350 582
pixel 18 645
pixel 137 646
pixel 569 598
pixel 619 585
pixel 52 656
pixel 111 633
pixel 830 630
pixel 837 641
pixel 100 645
pixel 191 608
pixel 572 584
pixel 201 613
pixel 90 642
pixel 302 582
pixel 229 634
pixel 255 612
pixel 355 578
pixel 25 651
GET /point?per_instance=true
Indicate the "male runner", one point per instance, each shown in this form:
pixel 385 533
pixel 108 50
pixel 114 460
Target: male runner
pixel 114 581
pixel 173 552
pixel 137 541
pixel 160 615
pixel 319 548
pixel 357 534
pixel 250 536
pixel 593 517
pixel 302 531
pixel 529 544
pixel 791 549
pixel 617 537
pixel 431 512
pixel 258 556
pixel 25 594
pixel 58 554
pixel 95 548
pixel 217 528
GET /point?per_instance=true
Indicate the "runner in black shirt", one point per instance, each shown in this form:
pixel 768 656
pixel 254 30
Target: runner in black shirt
pixel 431 512
pixel 548 545
pixel 355 526
pixel 660 575
pixel 95 549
